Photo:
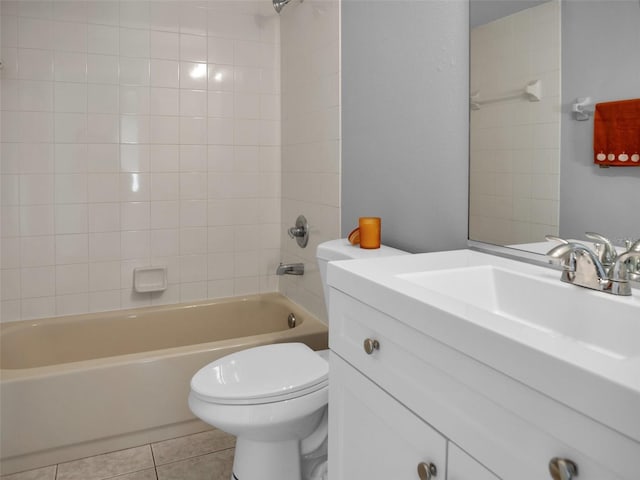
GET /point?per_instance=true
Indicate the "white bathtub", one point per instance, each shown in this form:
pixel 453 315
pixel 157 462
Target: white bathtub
pixel 82 385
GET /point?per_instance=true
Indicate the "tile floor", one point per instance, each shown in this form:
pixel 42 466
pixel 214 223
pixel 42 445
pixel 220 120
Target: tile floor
pixel 201 456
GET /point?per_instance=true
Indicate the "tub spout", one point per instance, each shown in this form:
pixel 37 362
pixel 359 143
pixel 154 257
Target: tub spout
pixel 290 269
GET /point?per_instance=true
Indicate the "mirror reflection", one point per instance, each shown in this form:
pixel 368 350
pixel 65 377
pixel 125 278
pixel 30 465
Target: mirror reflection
pixel 515 121
pixel 532 169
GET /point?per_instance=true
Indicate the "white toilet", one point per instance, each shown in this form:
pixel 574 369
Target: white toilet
pixel 274 398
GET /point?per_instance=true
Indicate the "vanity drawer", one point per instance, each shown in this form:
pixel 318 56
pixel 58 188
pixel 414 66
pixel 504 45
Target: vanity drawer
pixel 509 428
pixel 463 467
pixel 372 436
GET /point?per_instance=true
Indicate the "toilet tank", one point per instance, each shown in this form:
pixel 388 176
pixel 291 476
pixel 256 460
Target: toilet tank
pixel 341 249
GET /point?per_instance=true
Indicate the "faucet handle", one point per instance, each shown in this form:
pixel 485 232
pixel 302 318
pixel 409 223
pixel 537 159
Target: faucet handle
pixel 553 238
pixel 300 231
pixel 562 255
pixel 566 254
pixel 631 260
pixel 606 252
pixel 633 247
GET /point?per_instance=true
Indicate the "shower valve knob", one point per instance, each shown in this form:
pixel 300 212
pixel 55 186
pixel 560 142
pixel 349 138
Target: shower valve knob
pixel 300 231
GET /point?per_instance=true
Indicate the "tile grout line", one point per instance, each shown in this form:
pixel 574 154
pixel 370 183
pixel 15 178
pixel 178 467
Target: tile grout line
pixel 130 473
pixel 153 459
pixel 195 456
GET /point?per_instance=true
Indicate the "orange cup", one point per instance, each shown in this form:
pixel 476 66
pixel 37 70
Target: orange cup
pixel 369 232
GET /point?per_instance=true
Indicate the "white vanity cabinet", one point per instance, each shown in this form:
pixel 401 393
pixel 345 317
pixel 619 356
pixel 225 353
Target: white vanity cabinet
pixel 376 437
pixel 415 400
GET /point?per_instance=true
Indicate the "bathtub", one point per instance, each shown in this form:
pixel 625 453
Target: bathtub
pixel 81 385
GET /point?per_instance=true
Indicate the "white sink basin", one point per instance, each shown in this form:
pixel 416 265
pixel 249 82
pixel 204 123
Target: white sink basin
pixel 596 320
pixel 520 319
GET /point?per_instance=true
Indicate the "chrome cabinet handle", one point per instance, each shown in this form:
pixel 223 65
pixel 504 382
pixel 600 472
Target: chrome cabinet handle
pixel 426 471
pixel 562 469
pixel 370 345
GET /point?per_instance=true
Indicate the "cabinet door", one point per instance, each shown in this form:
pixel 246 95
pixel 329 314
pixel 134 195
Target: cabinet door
pixel 462 467
pixel 371 435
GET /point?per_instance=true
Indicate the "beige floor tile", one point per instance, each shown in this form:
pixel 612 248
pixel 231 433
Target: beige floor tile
pixel 214 466
pixel 46 473
pixel 190 446
pixel 149 474
pixel 108 465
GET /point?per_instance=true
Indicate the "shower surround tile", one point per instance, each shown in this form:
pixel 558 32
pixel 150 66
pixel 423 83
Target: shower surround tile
pixel 99 98
pixel 310 135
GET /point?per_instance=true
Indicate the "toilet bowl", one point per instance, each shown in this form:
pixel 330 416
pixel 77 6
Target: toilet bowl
pixel 271 398
pixel 274 398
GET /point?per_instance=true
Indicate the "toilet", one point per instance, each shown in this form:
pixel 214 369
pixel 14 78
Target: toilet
pixel 273 398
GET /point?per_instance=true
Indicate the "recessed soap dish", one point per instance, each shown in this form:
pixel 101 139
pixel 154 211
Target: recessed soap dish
pixel 149 279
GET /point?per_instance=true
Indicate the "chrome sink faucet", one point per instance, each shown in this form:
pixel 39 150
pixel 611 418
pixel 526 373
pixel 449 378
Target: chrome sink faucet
pixel 583 267
pixel 580 265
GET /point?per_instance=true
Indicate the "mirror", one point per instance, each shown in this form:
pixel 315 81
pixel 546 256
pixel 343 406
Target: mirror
pixel 531 162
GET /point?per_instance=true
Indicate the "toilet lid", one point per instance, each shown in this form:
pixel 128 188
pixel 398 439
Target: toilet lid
pixel 262 374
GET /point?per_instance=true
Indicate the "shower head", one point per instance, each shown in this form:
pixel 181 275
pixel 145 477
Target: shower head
pixel 279 4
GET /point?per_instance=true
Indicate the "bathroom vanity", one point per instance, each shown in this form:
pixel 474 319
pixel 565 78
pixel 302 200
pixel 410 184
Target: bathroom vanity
pixel 462 365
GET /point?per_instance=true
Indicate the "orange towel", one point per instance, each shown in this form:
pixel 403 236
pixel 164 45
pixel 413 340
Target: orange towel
pixel 616 133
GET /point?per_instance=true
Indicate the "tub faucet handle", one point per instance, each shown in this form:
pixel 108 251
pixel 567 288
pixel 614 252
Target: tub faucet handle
pixel 300 231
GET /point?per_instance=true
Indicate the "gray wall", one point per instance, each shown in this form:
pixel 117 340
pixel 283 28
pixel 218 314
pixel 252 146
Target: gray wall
pixel 485 11
pixel 600 59
pixel 405 120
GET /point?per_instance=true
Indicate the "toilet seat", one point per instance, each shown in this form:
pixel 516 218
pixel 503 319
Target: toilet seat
pixel 271 373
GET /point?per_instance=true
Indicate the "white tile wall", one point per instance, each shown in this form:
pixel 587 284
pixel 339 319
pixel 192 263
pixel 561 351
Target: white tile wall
pixel 515 144
pixel 310 137
pixel 137 133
